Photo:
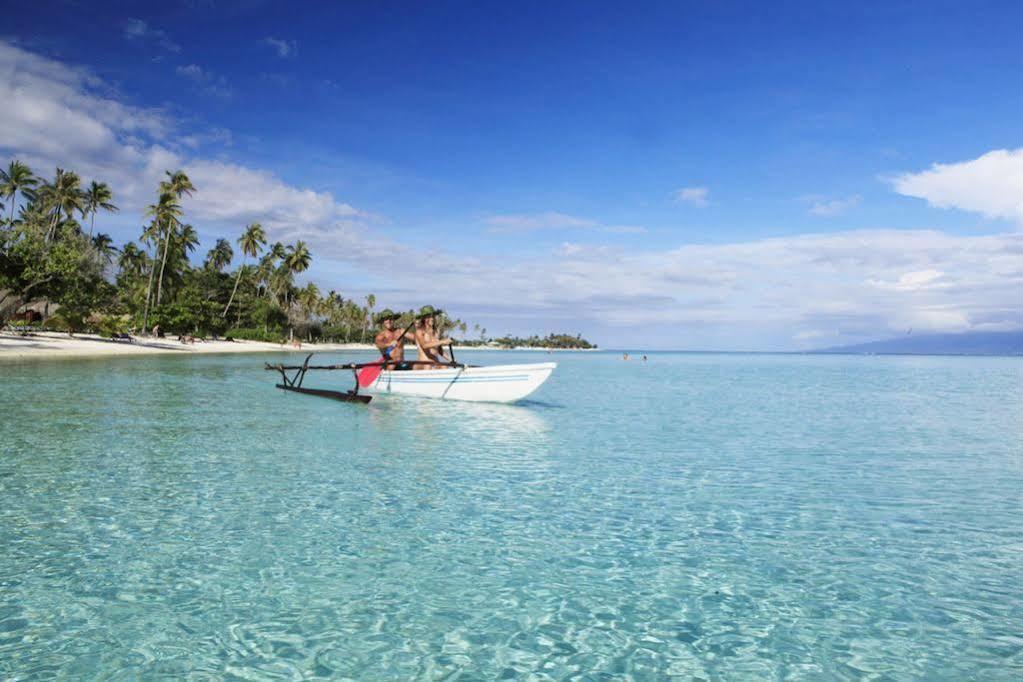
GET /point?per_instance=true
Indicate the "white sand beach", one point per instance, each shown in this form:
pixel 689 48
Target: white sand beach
pixel 45 345
pixel 56 345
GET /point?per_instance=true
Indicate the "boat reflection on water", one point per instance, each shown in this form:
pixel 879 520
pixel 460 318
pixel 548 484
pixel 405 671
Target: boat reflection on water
pixel 483 434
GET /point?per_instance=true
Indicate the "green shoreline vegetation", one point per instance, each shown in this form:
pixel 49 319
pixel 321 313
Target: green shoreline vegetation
pixel 51 254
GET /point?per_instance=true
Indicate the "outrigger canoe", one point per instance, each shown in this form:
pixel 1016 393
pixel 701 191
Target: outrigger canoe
pixel 451 381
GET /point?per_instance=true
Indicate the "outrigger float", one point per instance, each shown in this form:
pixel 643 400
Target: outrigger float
pixel 449 380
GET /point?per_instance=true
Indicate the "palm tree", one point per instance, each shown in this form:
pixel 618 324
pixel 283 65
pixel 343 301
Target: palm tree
pixel 64 195
pixel 268 265
pixel 252 242
pixel 151 237
pixel 97 196
pixel 309 298
pixel 17 178
pixel 186 241
pixel 168 212
pixel 279 281
pixel 177 185
pixel 164 212
pixel 298 257
pixel 132 259
pixel 371 302
pixel 104 246
pixel 219 257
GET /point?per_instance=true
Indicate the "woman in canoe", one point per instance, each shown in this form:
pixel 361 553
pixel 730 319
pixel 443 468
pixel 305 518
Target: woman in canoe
pixel 430 347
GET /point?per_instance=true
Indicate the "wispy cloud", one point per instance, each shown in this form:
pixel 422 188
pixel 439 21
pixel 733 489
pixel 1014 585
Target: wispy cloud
pixel 553 220
pixel 991 184
pixel 138 30
pixel 694 196
pixel 913 281
pixel 826 207
pixel 208 82
pixel 283 48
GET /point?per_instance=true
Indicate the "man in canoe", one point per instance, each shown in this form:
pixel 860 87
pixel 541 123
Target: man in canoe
pixel 389 340
pixel 430 347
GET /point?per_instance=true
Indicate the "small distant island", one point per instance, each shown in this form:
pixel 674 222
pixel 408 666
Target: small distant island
pixel 551 341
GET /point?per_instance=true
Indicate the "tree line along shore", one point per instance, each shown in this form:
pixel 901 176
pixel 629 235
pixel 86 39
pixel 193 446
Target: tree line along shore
pixel 54 263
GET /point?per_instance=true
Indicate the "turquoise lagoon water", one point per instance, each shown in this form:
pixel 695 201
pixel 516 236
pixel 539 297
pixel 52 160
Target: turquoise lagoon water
pixel 708 516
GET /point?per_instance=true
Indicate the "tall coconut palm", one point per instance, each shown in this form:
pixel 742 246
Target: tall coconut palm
pixel 298 257
pixel 177 185
pixel 17 178
pixel 309 299
pixel 165 213
pixel 169 213
pixel 97 196
pixel 63 195
pixel 252 242
pixel 371 302
pixel 104 246
pixel 219 257
pixel 185 242
pixel 296 260
pixel 268 265
pixel 280 283
pixel 132 260
pixel 151 236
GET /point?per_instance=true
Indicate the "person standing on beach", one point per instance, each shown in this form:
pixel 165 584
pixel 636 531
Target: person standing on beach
pixel 390 341
pixel 426 339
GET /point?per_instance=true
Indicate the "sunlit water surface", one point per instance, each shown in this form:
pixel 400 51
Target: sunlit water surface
pixel 714 516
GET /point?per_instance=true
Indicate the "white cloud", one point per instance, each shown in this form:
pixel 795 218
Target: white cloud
pixel 991 184
pixel 192 72
pixel 283 48
pixel 828 208
pixel 265 197
pixel 553 220
pixel 624 229
pixel 913 281
pixel 208 82
pixel 137 30
pixel 695 196
pixel 57 117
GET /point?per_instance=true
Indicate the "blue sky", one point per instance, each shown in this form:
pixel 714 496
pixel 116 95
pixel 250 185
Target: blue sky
pixel 669 175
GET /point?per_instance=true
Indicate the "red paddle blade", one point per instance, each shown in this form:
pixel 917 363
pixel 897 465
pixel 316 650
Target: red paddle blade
pixel 367 375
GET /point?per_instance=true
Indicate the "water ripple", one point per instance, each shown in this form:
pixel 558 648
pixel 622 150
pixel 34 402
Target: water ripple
pixel 697 516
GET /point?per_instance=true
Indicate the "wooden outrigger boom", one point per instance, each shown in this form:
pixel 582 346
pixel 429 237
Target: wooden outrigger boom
pixel 294 382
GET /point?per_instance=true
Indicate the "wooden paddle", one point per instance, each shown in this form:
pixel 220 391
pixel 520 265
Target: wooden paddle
pixel 367 375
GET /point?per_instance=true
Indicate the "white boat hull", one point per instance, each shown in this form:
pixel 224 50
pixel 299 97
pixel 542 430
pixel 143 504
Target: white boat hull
pixel 496 384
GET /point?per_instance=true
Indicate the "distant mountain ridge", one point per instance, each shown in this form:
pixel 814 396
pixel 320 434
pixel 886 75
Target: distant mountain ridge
pixel 969 343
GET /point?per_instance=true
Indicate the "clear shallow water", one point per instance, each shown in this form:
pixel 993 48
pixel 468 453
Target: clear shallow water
pixel 715 516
